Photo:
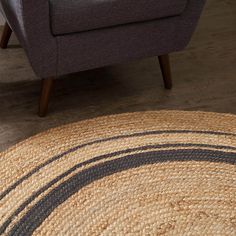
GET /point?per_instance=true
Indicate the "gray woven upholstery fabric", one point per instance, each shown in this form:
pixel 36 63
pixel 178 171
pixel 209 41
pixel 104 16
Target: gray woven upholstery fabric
pixel 70 16
pixel 30 21
pixel 54 55
pixel 130 42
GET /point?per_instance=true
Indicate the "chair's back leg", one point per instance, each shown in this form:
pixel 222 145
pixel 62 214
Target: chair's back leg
pixel 166 70
pixel 7 31
pixel 47 85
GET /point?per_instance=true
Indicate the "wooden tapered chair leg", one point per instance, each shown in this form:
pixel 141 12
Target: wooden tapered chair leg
pixel 46 90
pixel 6 34
pixel 166 70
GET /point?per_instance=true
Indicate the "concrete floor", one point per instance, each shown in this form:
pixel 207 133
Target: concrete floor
pixel 204 79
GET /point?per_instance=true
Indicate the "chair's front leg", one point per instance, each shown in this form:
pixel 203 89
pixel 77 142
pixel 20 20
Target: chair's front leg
pixel 46 90
pixel 166 70
pixel 7 31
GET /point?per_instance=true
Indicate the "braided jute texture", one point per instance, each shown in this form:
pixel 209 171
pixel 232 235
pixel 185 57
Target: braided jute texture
pixel 145 173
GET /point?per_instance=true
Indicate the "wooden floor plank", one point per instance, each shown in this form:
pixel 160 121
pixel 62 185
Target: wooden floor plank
pixel 204 78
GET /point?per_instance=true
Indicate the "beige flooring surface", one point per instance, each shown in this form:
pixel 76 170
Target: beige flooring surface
pixel 204 79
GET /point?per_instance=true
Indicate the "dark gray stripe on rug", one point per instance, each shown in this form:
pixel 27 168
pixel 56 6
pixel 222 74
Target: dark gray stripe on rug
pixel 8 190
pixel 98 158
pixel 42 209
pixel 59 156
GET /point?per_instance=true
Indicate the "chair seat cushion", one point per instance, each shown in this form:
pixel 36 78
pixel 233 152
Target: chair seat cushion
pixel 70 16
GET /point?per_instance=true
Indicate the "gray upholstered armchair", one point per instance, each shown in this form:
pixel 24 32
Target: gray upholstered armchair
pixel 66 36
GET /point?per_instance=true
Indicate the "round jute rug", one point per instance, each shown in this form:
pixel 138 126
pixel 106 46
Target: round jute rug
pixel 147 173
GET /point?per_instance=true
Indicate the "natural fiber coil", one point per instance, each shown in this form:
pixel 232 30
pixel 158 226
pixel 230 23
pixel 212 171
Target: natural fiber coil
pixel 146 173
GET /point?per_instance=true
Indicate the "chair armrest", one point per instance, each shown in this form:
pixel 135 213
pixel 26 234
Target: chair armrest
pixel 30 20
